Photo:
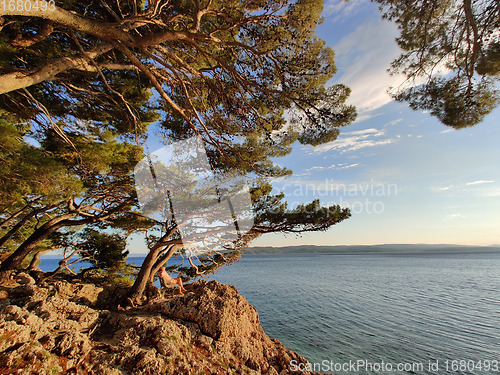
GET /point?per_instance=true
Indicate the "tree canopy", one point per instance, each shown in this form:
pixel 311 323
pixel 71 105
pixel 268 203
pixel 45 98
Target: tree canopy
pixel 223 69
pixel 81 179
pixel 453 47
pixel 82 82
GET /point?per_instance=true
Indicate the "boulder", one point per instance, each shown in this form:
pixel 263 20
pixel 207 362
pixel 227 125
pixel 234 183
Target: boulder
pixel 59 327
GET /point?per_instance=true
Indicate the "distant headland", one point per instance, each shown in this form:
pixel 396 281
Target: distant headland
pixel 385 248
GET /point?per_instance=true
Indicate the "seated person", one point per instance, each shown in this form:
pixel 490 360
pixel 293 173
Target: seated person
pixel 166 280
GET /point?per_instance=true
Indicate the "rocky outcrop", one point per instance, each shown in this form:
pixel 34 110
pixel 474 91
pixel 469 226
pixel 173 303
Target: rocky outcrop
pixel 62 327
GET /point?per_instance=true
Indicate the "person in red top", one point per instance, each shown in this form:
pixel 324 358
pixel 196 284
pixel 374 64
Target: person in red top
pixel 169 281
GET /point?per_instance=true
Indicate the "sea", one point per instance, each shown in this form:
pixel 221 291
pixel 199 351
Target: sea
pixel 377 313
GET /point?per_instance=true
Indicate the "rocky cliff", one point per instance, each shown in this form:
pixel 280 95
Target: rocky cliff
pixel 61 327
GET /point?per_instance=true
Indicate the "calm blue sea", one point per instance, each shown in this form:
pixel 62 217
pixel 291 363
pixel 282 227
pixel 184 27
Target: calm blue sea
pixel 379 313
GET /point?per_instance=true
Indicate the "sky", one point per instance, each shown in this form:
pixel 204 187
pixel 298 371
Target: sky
pixel 406 177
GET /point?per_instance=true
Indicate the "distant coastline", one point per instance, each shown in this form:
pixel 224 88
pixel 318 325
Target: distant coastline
pixel 352 249
pixel 362 249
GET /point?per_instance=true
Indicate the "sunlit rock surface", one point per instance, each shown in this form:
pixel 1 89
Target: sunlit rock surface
pixel 58 327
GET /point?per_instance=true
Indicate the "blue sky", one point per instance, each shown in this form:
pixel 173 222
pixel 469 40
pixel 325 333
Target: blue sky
pixel 406 177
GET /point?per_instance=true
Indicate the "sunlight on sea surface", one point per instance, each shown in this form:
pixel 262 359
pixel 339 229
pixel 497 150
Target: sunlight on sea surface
pixel 391 308
pixel 410 308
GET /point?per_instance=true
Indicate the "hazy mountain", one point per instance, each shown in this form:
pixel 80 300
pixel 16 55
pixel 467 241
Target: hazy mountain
pixel 389 248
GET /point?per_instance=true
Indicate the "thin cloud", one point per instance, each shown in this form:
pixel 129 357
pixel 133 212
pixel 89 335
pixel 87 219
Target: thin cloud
pixel 455 216
pixel 317 169
pixel 342 9
pixel 347 166
pixel 493 193
pixel 364 57
pixel 479 182
pixel 394 122
pixel 364 131
pixel 365 116
pixel 444 188
pixel 446 131
pixel 338 167
pixel 355 140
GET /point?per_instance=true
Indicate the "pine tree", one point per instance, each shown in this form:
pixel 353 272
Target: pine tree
pixel 453 46
pixel 246 78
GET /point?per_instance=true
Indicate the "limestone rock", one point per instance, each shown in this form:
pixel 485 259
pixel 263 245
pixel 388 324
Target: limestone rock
pixel 59 327
pixel 23 278
pixel 218 309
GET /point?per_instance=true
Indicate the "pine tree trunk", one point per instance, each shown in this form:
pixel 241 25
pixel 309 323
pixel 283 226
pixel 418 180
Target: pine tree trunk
pixel 15 260
pixel 16 80
pixel 150 266
pixel 37 256
pixel 21 223
pixel 136 292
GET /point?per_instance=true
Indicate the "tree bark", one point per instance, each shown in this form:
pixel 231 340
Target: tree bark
pixel 469 16
pixel 7 220
pixel 163 260
pixel 37 256
pixel 103 31
pixel 21 223
pixel 137 290
pixel 106 32
pixel 45 31
pixel 16 258
pixel 148 270
pixel 17 80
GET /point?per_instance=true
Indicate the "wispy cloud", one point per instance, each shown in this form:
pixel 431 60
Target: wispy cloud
pixel 455 216
pixel 364 57
pixel 347 166
pixel 394 122
pixel 317 169
pixel 355 140
pixel 461 186
pixel 444 188
pixel 338 167
pixel 479 182
pixel 363 132
pixel 339 10
pixel 365 116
